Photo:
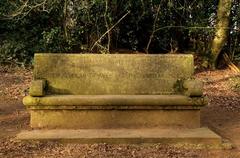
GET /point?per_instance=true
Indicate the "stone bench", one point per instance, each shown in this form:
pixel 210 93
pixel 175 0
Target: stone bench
pixel 114 91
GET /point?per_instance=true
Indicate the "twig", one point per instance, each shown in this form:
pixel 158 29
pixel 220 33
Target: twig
pixel 26 6
pixel 20 9
pixel 99 45
pixel 107 26
pixel 154 28
pixel 193 27
pixel 110 29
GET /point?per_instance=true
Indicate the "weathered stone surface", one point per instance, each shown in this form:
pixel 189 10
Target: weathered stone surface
pixel 112 74
pixel 113 119
pixel 142 94
pixel 37 88
pixel 201 137
pixel 193 87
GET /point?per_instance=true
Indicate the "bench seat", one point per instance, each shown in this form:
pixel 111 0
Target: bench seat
pixel 114 102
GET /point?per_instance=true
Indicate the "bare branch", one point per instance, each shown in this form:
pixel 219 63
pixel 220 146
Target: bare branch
pixel 154 28
pixel 23 10
pixel 19 10
pixel 110 29
pixel 107 25
pixel 191 27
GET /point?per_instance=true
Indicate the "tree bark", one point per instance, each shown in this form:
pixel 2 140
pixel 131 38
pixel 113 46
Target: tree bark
pixel 221 33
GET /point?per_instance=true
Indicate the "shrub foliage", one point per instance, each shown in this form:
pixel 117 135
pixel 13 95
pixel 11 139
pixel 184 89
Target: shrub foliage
pixel 104 26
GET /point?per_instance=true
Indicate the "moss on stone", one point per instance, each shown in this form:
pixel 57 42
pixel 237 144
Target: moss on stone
pixel 37 88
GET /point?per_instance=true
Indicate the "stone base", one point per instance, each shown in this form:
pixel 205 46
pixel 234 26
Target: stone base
pixel 113 119
pixel 198 136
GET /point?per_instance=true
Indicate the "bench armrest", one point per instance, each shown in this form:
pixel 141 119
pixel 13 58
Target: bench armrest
pixel 191 87
pixel 37 88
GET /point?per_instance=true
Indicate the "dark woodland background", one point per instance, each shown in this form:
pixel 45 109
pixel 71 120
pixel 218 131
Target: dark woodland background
pixel 147 26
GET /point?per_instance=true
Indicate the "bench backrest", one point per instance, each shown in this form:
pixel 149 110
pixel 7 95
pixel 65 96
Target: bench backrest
pixel 95 74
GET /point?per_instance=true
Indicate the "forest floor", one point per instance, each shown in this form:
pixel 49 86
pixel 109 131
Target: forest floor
pixel 222 115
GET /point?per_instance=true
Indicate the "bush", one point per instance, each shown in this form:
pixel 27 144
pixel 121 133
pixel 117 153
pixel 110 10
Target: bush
pixel 75 25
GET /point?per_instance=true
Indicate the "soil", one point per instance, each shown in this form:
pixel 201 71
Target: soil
pixel 222 115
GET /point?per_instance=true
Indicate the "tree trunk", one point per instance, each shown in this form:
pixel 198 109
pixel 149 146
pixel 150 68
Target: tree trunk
pixel 65 20
pixel 221 33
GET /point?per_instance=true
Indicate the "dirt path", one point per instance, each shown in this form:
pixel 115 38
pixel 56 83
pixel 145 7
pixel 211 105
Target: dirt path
pixel 222 115
pixel 223 112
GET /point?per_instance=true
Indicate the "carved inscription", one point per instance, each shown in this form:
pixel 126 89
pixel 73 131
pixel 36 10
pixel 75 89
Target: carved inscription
pixel 103 75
